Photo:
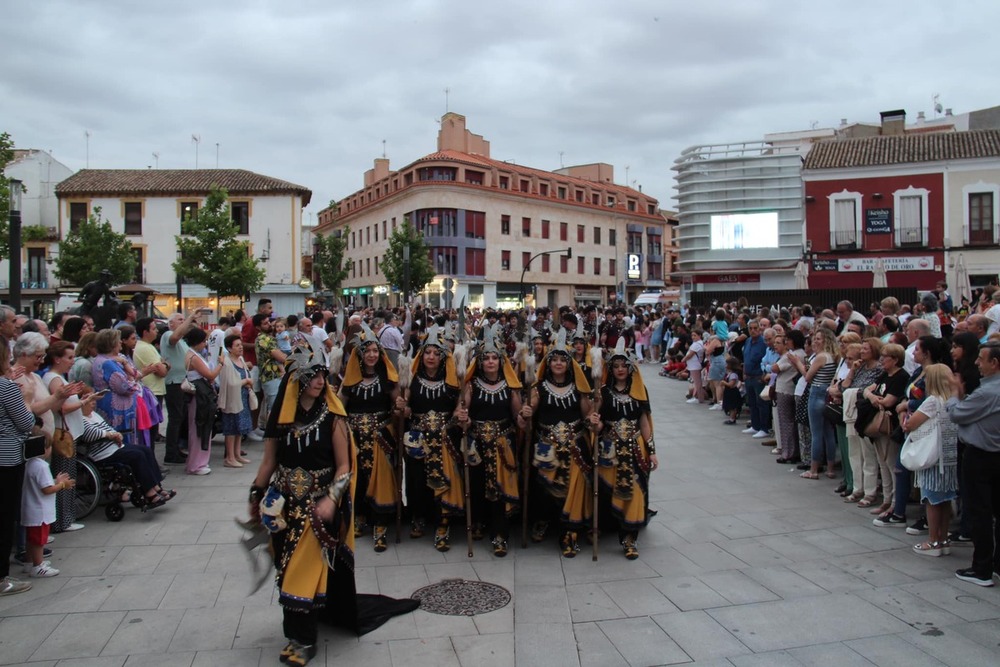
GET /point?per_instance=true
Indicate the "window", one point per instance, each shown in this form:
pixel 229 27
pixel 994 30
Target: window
pixel 385 229
pixel 543 189
pixel 612 267
pixel 653 244
pixel 445 259
pixel 597 266
pixel 545 263
pixel 611 201
pixel 188 211
pixel 525 258
pixel 368 235
pixel 563 264
pixel 981 213
pixel 505 260
pixel 368 266
pixel 240 213
pixel 654 270
pixel 138 272
pixel 635 243
pixel 376 266
pixel 437 221
pixel 580 232
pixel 77 214
pixel 911 217
pixel 845 223
pixel 525 185
pixel 597 236
pixel 133 218
pixel 579 196
pixel 437 173
pixel 504 183
pixel 475 262
pixel 579 265
pixel 595 198
pixel 612 237
pixel 353 244
pixel 564 231
pixel 631 205
pixel 376 232
pixel 475 224
pixel 394 224
pixel 650 209
pixel 473 177
pixel 545 229
pixel 505 225
pixel 561 192
pixel 526 227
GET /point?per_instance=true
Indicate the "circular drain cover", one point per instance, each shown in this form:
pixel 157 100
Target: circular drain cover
pixel 458 597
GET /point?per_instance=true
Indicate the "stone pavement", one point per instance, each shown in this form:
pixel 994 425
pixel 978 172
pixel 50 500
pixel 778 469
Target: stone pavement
pixel 746 564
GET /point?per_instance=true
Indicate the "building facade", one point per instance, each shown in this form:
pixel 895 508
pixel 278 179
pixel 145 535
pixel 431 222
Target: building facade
pixel 486 223
pixel 148 206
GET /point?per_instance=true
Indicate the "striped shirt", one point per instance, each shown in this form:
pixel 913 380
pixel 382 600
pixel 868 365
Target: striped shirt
pixel 95 437
pixel 16 421
pixel 824 376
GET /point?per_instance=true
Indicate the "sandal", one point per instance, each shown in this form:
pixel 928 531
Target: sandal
pixel 538 531
pixel 867 501
pixel 931 549
pixel 809 474
pixel 441 538
pixel 499 547
pixel 630 547
pixel 379 537
pixel 569 545
pixel 830 474
pixel 854 497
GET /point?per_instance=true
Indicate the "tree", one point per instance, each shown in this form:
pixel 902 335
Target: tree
pixel 6 156
pixel 92 247
pixel 211 255
pixel 421 269
pixel 331 262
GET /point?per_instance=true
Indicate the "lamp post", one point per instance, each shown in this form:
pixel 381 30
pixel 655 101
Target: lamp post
pixel 567 251
pixel 406 273
pixel 15 245
pixel 180 281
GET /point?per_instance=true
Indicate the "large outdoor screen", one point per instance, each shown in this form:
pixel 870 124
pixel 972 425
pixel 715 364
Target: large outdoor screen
pixel 737 231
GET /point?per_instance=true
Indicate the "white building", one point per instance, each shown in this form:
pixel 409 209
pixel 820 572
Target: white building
pixel 148 205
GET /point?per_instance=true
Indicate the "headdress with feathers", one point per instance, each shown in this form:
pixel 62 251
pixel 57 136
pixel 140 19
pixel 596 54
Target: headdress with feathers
pixel 491 344
pixel 637 389
pixel 435 338
pixel 559 347
pixel 352 374
pixel 301 366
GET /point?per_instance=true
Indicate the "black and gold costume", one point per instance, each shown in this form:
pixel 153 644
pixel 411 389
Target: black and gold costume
pixel 434 473
pixel 624 463
pixel 494 491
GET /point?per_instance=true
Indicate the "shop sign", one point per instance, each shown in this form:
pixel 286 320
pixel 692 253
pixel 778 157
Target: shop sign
pixel 878 221
pixel 727 278
pixel 824 265
pixel 634 271
pixel 867 264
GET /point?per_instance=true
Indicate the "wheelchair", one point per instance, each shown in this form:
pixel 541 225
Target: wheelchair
pixel 104 482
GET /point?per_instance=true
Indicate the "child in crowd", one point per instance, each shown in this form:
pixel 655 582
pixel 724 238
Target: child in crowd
pixel 38 509
pixel 694 360
pixel 282 335
pixel 732 399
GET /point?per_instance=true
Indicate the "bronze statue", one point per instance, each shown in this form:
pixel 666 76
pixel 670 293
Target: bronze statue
pixel 93 291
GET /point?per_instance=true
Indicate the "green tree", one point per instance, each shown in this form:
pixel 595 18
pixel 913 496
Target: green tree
pixel 6 156
pixel 331 262
pixel 211 255
pixel 421 269
pixel 92 247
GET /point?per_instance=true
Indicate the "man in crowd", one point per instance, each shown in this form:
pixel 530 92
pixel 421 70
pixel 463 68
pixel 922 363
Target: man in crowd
pixel 754 349
pixel 915 328
pixel 978 418
pixel 144 355
pixel 271 360
pixel 126 314
pixel 173 350
pixel 249 336
pixel 845 314
pixel 388 334
pixel 979 326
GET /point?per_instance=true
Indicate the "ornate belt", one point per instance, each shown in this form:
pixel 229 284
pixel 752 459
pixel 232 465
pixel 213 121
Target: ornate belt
pixel 489 431
pixel 366 421
pixel 560 431
pixel 431 421
pixel 299 483
pixel 624 429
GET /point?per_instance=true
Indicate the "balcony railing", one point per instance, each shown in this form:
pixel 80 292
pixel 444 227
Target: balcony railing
pixel 35 279
pixel 845 239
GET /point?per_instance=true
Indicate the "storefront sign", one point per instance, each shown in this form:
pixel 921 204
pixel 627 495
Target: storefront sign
pixel 824 265
pixel 727 278
pixel 634 267
pixel 922 263
pixel 878 221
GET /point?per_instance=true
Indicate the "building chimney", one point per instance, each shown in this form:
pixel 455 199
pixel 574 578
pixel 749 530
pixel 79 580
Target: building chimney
pixel 921 118
pixel 947 112
pixel 893 122
pixel 843 122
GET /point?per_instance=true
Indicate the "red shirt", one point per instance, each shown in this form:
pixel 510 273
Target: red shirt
pixel 249 336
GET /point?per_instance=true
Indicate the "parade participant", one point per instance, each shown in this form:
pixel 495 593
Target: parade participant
pixel 434 488
pixel 626 451
pixel 589 358
pixel 307 469
pixel 560 402
pixel 489 405
pixel 369 392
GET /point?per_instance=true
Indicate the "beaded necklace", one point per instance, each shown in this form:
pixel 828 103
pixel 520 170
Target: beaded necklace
pixel 495 391
pixel 309 432
pixel 368 388
pixel 561 394
pixel 430 389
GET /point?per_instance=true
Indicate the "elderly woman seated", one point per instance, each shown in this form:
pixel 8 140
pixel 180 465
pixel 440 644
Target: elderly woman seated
pixel 103 443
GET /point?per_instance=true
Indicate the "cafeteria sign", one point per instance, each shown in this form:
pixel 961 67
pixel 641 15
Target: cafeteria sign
pixel 878 221
pixel 867 264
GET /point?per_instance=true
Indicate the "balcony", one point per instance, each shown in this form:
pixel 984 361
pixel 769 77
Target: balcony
pixel 35 279
pixel 845 239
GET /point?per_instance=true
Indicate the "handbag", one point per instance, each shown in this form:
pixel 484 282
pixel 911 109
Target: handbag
pixel 63 443
pixel 881 424
pixel 834 413
pixel 186 385
pixel 34 446
pixel 922 448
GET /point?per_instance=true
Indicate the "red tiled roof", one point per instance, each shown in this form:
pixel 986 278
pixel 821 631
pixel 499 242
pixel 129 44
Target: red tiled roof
pixel 174 181
pixel 903 149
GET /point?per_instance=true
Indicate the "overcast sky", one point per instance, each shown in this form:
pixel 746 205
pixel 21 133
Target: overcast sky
pixel 307 90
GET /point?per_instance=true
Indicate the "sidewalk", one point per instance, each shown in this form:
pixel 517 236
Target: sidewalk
pixel 745 564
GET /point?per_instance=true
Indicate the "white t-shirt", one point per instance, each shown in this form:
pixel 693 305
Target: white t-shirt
pixel 216 341
pixel 993 315
pixel 37 507
pixel 694 363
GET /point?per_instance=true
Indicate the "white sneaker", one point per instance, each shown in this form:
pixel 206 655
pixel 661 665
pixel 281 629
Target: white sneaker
pixel 50 540
pixel 43 570
pixel 760 435
pixel 73 526
pixel 717 406
pixel 692 400
pixel 28 567
pixel 776 450
pixel 256 435
pixel 202 471
pixel 749 430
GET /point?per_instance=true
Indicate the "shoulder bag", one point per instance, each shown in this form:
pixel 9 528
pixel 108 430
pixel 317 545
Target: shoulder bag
pixel 922 448
pixel 186 385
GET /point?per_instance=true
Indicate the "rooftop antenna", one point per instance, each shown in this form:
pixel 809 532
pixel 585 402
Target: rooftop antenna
pixel 561 153
pixel 196 140
pixel 216 154
pixel 156 159
pixel 936 98
pixel 626 174
pixel 446 107
pixel 86 133
pixel 383 148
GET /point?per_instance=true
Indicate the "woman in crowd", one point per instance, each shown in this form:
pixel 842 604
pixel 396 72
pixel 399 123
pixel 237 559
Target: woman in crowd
pixel 29 353
pixel 931 314
pixel 83 365
pixel 369 392
pixel 235 390
pixel 118 405
pixel 939 483
pixel 862 372
pixel 560 402
pixel 884 394
pixel 964 350
pixel 623 426
pixel 73 329
pixel 789 345
pixel 203 402
pixel 850 351
pixel 434 484
pixel 489 405
pixel 16 422
pixel 802 388
pixel 148 412
pixel 819 375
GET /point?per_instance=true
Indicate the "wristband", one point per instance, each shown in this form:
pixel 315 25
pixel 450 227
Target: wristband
pixel 256 494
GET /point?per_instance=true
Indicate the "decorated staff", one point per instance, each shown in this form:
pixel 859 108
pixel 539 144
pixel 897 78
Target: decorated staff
pixel 490 405
pixel 559 403
pixel 433 478
pixel 369 392
pixel 626 451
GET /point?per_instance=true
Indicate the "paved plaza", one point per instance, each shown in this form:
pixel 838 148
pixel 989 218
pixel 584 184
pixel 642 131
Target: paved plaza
pixel 745 564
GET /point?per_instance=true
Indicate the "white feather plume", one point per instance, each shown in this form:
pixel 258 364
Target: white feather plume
pixel 336 360
pixel 404 368
pixel 596 364
pixel 461 359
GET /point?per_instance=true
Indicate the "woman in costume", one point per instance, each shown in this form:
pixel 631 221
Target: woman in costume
pixel 490 405
pixel 626 453
pixel 433 470
pixel 560 402
pixel 302 495
pixel 369 392
pixel 587 357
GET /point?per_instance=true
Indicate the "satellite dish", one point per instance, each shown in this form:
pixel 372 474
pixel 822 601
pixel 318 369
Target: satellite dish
pixel 938 108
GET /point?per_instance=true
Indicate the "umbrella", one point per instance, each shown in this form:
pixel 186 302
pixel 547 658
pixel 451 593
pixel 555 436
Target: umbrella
pixel 801 276
pixel 879 279
pixel 962 285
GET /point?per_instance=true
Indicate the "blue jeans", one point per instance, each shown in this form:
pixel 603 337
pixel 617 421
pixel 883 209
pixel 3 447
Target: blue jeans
pixel 760 411
pixel 824 438
pixel 270 392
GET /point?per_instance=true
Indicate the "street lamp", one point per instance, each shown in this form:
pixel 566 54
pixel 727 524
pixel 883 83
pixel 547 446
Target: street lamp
pixel 180 280
pixel 15 244
pixel 406 273
pixel 567 251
